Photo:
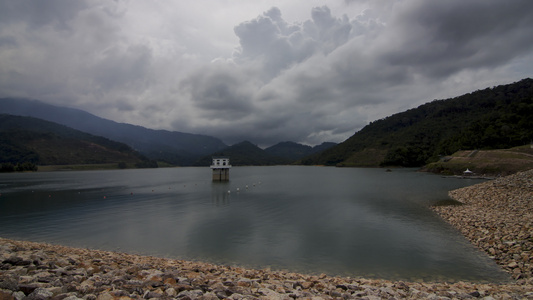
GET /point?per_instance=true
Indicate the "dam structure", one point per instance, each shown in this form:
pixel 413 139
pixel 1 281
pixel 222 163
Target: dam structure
pixel 220 167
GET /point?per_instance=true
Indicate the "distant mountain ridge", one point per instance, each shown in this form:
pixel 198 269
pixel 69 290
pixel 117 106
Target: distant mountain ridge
pixel 246 154
pixel 171 146
pixel 294 151
pixel 174 147
pixel 493 118
pixel 32 140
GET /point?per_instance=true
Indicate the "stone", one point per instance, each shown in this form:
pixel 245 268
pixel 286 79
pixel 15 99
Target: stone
pixel 19 295
pixel 193 294
pixel 40 294
pixel 6 295
pixel 104 296
pixel 151 295
pixel 475 294
pixel 208 296
pixel 244 282
pixel 171 292
pixel 10 284
pixel 13 260
pixel 72 298
pixel 307 285
pixel 27 288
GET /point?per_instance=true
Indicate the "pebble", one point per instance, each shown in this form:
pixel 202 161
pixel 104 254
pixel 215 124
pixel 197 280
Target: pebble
pixel 496 216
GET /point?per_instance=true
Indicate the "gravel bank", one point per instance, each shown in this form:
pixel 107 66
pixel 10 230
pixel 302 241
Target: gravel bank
pixel 42 271
pixel 497 217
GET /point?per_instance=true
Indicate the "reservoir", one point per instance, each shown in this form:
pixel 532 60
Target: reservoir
pixel 339 221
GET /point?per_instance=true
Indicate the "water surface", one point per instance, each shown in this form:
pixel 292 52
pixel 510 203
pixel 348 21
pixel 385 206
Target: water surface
pixel 339 221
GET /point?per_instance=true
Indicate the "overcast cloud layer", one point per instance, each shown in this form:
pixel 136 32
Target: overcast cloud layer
pixel 307 71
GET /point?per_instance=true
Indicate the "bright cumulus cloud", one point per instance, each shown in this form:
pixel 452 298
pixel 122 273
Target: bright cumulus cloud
pixel 262 71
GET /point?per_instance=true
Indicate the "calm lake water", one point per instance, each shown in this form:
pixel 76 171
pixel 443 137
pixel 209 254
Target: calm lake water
pixel 339 221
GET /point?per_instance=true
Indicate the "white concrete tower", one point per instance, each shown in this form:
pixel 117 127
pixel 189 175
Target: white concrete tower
pixel 220 167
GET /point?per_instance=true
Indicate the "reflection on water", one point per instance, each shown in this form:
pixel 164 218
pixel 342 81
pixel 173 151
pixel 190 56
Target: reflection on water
pixel 220 193
pixel 355 222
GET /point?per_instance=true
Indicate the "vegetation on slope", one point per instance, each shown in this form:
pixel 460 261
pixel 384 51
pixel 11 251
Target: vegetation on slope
pixel 39 142
pixel 174 147
pixel 493 118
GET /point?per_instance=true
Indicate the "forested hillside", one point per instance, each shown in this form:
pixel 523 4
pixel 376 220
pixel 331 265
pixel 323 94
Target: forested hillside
pixel 27 140
pixel 493 118
pixel 177 148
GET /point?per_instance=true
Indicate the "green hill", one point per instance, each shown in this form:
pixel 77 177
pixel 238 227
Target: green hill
pixel 39 142
pixel 493 118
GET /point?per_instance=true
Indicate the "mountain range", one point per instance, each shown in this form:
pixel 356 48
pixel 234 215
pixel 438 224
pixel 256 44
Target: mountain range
pixel 247 154
pixel 294 151
pixel 172 147
pixel 494 118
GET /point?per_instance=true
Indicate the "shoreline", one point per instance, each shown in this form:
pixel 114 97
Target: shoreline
pixel 30 270
pixel 497 217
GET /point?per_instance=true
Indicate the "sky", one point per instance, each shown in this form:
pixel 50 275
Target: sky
pixel 308 71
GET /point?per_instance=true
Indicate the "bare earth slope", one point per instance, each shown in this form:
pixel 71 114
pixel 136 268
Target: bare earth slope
pixel 498 162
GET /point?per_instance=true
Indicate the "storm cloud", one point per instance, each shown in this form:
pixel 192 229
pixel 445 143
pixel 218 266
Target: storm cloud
pixel 263 71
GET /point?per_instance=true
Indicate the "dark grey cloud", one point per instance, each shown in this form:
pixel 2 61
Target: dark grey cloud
pixel 439 38
pixel 314 78
pixel 331 32
pixel 354 67
pixel 280 45
pixel 221 92
pixel 71 52
pixel 36 14
pixel 8 42
pixel 122 68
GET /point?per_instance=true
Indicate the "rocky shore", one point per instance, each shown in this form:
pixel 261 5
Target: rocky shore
pixel 42 271
pixel 497 217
